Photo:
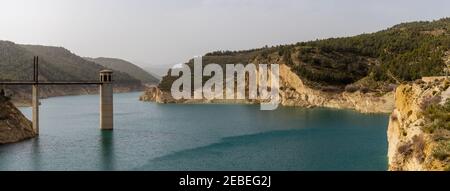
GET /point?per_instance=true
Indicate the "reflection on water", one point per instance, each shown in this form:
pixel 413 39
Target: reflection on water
pixel 35 154
pixel 149 136
pixel 107 150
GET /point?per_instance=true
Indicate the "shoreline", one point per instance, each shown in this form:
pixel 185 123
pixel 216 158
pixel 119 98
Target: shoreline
pixel 22 103
pixel 358 102
pixel 283 106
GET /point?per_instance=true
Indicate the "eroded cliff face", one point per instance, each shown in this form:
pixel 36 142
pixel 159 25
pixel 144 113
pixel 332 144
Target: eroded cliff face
pixel 417 135
pixel 154 94
pixel 294 92
pixel 14 126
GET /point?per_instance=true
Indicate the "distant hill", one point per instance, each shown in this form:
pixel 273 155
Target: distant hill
pixel 156 75
pixel 158 70
pixel 126 67
pixel 56 64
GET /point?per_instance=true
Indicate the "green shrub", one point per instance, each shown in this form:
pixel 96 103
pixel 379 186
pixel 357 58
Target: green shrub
pixel 442 151
pixel 437 117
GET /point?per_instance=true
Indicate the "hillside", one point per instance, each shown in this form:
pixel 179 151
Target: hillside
pixel 126 67
pixel 55 64
pixel 404 52
pixel 358 72
pixel 71 66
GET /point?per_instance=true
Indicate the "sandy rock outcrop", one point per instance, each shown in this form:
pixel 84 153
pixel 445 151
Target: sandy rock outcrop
pixel 410 146
pixel 14 126
pixel 294 92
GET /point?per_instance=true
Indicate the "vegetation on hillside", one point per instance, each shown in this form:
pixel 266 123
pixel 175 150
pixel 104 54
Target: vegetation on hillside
pixel 404 52
pixel 437 117
pixel 55 64
pixel 437 123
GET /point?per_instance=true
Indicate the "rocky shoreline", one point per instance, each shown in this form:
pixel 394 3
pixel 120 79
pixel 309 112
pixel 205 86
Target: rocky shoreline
pixel 14 126
pixel 294 92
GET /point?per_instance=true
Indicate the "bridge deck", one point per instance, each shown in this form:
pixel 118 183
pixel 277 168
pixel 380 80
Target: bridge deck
pixel 50 83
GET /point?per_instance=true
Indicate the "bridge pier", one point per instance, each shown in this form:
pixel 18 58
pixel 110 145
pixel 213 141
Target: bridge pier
pixel 35 108
pixel 106 100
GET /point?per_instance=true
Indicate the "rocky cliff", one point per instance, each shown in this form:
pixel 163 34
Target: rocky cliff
pixel 14 126
pixel 419 127
pixel 294 92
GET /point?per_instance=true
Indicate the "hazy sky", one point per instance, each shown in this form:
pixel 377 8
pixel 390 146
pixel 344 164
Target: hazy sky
pixel 157 32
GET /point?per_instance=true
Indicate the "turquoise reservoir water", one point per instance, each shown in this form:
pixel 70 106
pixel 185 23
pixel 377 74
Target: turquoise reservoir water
pixel 149 136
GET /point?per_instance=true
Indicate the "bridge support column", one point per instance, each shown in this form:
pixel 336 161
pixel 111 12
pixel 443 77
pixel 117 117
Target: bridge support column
pixel 35 108
pixel 106 100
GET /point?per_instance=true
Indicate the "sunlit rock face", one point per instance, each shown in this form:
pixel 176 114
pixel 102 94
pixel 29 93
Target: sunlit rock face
pixel 14 126
pixel 294 92
pixel 417 142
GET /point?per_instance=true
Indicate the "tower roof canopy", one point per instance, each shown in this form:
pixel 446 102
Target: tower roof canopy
pixel 106 71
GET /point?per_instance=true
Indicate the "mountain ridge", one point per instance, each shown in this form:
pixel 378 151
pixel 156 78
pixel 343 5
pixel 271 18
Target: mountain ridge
pixel 126 67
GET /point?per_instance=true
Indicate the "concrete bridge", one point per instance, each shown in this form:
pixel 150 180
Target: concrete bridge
pixel 106 95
